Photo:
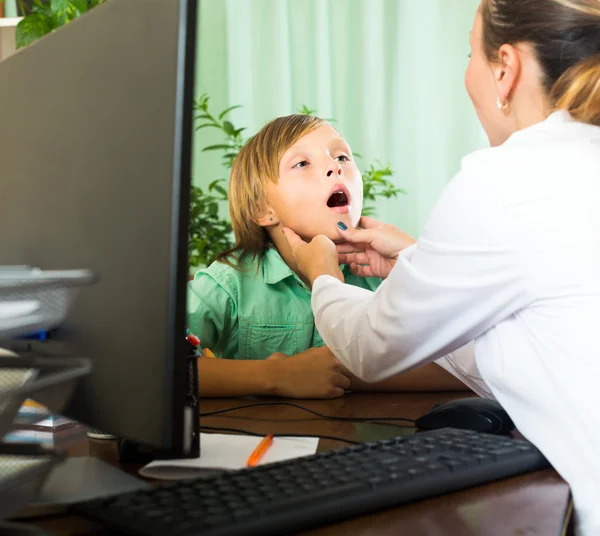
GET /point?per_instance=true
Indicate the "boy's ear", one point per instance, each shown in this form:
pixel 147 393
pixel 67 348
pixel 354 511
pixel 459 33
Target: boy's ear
pixel 268 219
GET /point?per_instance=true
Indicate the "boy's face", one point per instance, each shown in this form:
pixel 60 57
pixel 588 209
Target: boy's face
pixel 319 185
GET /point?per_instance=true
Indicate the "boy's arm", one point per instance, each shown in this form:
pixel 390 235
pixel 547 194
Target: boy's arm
pixel 314 373
pixel 230 378
pixel 212 316
pixel 456 371
pixel 308 375
pixel 430 377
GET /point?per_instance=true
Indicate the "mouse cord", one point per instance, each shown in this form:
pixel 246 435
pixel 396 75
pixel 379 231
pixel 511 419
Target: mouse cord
pixel 247 432
pixel 372 420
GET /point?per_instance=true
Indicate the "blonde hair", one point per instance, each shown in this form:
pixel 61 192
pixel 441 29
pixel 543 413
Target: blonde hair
pixel 565 35
pixel 257 165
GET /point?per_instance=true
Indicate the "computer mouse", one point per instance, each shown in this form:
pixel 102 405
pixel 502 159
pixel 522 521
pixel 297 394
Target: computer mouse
pixel 477 414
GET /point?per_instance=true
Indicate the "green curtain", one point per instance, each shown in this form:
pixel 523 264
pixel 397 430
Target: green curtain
pixel 390 72
pixel 10 8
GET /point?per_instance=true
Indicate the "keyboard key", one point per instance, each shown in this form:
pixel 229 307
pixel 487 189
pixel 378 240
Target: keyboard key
pixel 504 453
pixel 315 497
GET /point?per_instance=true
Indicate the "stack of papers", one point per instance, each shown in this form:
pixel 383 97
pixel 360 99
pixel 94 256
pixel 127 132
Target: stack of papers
pixel 220 451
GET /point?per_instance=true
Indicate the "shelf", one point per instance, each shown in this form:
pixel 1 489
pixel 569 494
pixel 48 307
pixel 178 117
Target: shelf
pixel 9 22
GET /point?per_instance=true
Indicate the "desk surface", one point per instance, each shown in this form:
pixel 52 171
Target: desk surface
pixel 533 504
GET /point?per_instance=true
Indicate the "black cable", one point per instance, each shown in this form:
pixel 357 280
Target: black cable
pixel 321 415
pixel 247 432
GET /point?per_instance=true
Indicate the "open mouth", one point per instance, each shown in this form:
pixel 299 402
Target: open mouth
pixel 339 198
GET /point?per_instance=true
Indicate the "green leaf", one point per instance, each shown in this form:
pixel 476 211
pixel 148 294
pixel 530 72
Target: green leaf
pixel 80 5
pixel 31 28
pixel 59 19
pixel 228 128
pixel 60 11
pixel 218 147
pixel 40 7
pixel 227 110
pixel 214 183
pixel 368 211
pixel 205 125
pixel 222 191
pixel 202 102
pixel 305 110
pixel 65 10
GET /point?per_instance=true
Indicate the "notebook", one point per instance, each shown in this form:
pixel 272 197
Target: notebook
pixel 228 452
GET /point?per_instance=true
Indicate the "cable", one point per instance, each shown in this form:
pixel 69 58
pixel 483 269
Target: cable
pixel 321 415
pixel 247 432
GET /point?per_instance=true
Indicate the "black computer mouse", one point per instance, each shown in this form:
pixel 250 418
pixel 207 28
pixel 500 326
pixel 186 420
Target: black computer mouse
pixel 477 414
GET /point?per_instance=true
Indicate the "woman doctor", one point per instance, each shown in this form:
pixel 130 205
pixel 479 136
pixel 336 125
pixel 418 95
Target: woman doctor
pixel 510 256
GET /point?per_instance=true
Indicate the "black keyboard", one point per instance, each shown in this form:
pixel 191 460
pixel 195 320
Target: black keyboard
pixel 304 493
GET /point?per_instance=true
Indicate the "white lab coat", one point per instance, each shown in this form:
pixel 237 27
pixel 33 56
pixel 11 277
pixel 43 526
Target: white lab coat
pixel 509 259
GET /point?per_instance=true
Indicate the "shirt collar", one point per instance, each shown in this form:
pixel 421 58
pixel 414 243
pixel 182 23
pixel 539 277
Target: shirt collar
pixel 275 270
pixel 554 120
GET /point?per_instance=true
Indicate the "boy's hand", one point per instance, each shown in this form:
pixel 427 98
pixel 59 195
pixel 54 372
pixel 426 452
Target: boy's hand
pixel 315 373
pixel 318 257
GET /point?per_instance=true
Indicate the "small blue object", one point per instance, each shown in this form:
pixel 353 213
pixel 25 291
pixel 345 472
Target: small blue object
pixel 342 226
pixel 36 336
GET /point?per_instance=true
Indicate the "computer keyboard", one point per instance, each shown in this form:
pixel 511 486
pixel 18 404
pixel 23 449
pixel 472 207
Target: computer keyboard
pixel 287 497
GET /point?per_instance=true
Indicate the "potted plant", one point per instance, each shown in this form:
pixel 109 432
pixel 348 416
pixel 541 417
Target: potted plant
pixel 40 17
pixel 209 233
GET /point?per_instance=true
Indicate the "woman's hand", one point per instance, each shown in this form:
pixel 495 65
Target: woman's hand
pixel 314 373
pixel 373 250
pixel 318 257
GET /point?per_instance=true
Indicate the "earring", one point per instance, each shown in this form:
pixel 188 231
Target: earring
pixel 503 105
pixel 270 219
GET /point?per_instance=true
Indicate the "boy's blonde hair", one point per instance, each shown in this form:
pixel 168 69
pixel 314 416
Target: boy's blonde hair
pixel 257 165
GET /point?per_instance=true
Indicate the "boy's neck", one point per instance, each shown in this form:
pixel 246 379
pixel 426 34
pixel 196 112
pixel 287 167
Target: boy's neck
pixel 282 246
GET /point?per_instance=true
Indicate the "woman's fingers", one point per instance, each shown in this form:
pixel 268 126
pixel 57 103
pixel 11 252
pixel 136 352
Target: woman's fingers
pixel 346 247
pixel 368 223
pixel 351 258
pixel 361 270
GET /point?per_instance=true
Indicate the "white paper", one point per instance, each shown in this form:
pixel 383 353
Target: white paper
pixel 220 451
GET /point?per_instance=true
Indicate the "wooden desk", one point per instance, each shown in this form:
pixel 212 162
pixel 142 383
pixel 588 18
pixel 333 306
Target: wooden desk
pixel 534 504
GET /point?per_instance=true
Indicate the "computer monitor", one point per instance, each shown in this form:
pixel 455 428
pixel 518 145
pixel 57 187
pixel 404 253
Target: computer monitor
pixel 95 158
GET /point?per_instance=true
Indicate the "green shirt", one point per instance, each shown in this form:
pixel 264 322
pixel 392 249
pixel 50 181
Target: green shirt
pixel 252 314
